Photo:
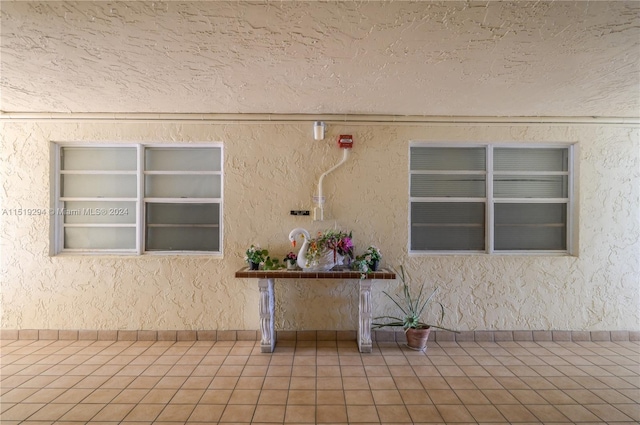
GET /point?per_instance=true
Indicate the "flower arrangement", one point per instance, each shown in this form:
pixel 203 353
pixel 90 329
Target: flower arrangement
pixel 372 254
pixel 256 255
pixel 291 258
pixel 368 262
pixel 333 240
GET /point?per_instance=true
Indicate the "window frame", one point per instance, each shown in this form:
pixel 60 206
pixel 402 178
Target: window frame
pixel 490 200
pixel 57 211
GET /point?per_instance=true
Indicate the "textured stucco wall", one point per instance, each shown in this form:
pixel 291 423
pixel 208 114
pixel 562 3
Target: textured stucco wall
pixel 272 168
pixel 509 58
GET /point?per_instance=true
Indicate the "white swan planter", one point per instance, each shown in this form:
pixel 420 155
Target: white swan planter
pixel 327 260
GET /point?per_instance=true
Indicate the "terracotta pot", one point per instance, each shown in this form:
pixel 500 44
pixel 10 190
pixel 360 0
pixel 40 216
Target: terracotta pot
pixel 417 338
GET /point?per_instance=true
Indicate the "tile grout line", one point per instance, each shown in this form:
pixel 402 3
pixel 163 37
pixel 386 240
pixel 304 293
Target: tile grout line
pixel 531 350
pixel 377 335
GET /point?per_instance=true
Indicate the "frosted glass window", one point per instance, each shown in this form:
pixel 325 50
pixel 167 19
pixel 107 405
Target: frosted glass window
pixel 138 198
pixel 99 185
pixel 447 226
pixel 530 159
pixel 530 187
pixel 99 212
pixel 520 204
pixel 447 238
pixel 99 159
pixel 447 172
pixel 185 227
pixel 182 186
pixel 531 226
pixel 100 238
pixel 429 185
pixel 158 213
pixel 180 175
pixel 183 238
pixel 183 159
pixel 447 159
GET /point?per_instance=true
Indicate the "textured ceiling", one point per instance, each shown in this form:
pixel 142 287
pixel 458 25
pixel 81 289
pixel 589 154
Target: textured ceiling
pixel 574 58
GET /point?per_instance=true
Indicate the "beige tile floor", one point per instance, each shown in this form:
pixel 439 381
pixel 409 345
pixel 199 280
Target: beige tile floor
pixel 110 382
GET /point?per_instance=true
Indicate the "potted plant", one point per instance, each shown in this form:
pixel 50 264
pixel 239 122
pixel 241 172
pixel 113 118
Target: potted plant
pixel 367 262
pixel 290 260
pixel 413 307
pixel 371 257
pixel 254 256
pixel 272 264
pixel 334 244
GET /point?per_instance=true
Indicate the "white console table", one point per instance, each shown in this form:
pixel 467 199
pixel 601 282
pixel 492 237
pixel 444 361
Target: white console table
pixel 266 283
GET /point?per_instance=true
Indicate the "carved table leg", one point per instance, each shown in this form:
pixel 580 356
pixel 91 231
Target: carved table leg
pixel 268 338
pixel 365 316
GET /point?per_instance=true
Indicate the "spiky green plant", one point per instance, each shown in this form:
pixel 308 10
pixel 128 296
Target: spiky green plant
pixel 412 307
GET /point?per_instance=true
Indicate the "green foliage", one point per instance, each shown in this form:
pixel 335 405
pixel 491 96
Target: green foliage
pixel 412 307
pixel 273 264
pixel 256 255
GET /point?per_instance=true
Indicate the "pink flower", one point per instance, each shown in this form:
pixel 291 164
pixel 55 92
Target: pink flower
pixel 291 257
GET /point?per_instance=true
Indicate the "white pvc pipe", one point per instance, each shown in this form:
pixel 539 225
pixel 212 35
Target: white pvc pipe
pixel 320 200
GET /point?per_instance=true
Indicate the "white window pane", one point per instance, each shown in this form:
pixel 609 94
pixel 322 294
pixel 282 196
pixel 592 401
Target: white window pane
pixel 533 159
pixel 97 238
pixel 99 212
pixel 451 159
pixel 188 213
pixel 448 226
pixel 182 186
pixel 530 226
pixel 85 158
pixel 98 186
pixel 182 239
pixel 467 186
pixel 530 187
pixel 183 159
